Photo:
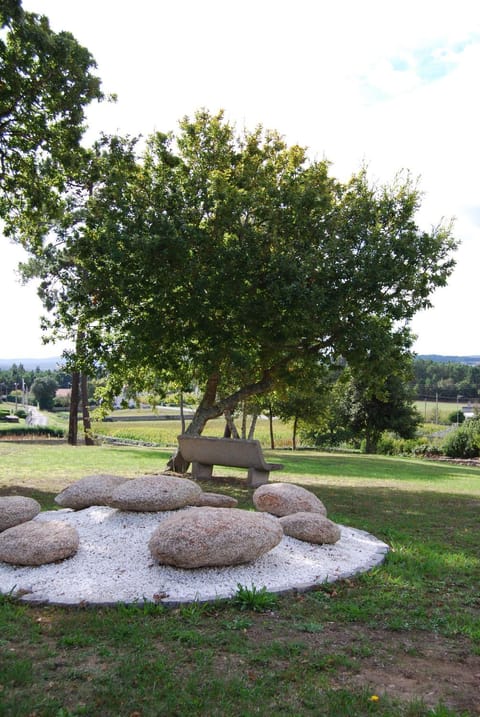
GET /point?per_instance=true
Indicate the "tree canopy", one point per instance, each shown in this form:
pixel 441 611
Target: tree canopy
pixel 46 82
pixel 44 390
pixel 228 259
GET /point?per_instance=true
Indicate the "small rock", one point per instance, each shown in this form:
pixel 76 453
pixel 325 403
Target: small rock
pixel 286 498
pixel 213 537
pixel 89 491
pixel 155 493
pixel 310 527
pixel 16 509
pixel 216 500
pixel 38 542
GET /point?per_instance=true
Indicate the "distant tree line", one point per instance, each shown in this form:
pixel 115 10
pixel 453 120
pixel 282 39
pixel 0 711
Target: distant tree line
pixel 36 386
pixel 445 381
pixel 17 374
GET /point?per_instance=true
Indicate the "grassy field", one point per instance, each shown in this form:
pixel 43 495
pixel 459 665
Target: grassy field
pixel 400 641
pixel 165 432
pixel 436 412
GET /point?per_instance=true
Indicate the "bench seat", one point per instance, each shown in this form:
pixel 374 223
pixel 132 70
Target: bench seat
pixel 203 453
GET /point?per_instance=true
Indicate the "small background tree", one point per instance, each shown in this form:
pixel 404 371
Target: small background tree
pixel 44 390
pixel 457 416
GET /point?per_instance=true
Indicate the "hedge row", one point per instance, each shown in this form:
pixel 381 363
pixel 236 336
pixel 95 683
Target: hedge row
pixel 40 431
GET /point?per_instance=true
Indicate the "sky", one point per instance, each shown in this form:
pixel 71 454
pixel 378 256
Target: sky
pixel 389 84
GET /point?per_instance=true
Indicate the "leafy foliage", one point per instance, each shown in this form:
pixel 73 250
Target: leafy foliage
pixel 369 415
pixel 361 406
pixel 464 442
pixel 230 261
pixel 44 390
pixel 457 416
pixel 47 81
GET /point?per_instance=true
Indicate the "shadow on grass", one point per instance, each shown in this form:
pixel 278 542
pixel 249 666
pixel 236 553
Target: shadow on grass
pixel 370 467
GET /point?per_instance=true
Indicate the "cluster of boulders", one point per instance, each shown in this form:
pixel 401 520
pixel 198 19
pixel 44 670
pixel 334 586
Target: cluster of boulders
pixel 301 514
pixel 211 533
pixel 25 541
pixel 148 493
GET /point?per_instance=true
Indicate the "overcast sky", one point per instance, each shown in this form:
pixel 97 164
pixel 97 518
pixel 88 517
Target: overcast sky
pixel 388 83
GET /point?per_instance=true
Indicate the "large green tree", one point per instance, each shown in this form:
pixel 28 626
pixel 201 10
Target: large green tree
pixel 229 259
pixel 46 81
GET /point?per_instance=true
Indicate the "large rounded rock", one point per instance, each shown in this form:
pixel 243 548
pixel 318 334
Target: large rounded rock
pixel 89 491
pixel 310 527
pixel 16 509
pixel 216 500
pixel 213 537
pixel 286 498
pixel 155 493
pixel 38 542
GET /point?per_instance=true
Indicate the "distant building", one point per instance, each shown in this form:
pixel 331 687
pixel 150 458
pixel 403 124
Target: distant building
pixel 469 411
pixel 63 393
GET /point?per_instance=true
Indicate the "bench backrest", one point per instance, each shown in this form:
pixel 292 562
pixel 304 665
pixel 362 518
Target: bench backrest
pixel 223 451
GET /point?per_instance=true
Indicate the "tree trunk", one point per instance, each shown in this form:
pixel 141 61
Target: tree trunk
pixel 204 412
pixel 371 440
pixel 74 402
pixel 211 408
pixel 244 420
pixel 87 425
pixel 270 422
pixel 182 412
pixel 230 427
pixel 251 432
pixel 294 435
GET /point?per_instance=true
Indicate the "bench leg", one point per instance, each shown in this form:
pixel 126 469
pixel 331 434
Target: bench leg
pixel 256 477
pixel 201 470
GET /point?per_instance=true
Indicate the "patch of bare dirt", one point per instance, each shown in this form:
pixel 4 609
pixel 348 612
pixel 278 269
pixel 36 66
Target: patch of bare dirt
pixel 418 668
pixel 406 666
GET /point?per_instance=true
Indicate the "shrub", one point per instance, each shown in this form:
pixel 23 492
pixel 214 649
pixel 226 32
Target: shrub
pixel 391 445
pixel 464 442
pixel 40 431
pixel 456 416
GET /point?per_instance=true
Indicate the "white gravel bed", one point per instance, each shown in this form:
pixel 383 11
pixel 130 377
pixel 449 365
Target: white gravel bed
pixel 113 564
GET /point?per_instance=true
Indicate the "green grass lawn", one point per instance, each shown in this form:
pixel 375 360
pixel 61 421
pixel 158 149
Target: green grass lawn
pixel 407 633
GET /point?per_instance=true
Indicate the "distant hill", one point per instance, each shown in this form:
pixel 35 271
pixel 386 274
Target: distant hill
pixel 468 360
pixel 52 363
pixel 30 364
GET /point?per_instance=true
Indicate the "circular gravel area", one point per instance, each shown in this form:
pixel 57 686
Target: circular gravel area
pixel 113 564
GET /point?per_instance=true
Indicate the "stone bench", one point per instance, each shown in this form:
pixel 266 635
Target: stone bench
pixel 204 453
